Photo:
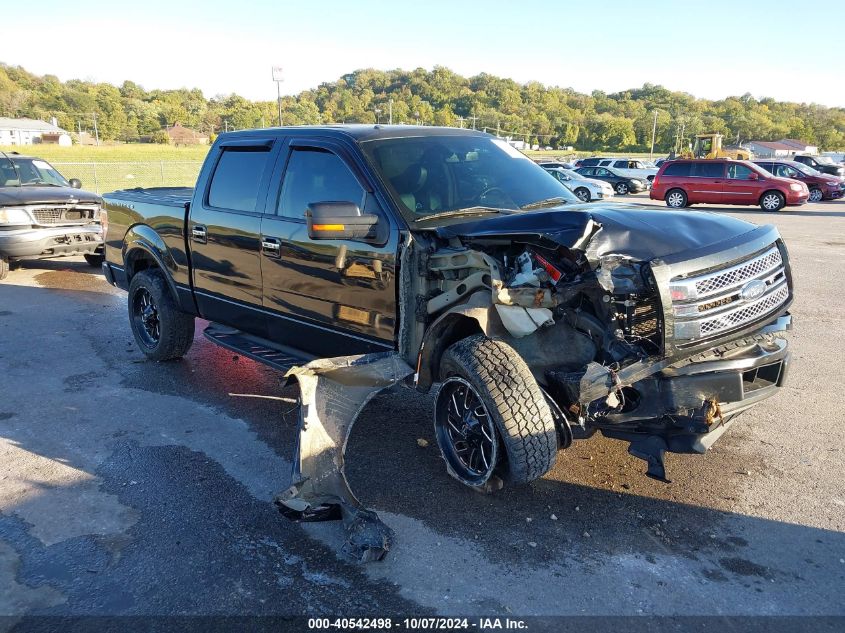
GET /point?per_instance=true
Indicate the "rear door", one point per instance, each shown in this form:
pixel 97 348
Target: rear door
pixel 707 182
pixel 224 229
pixel 739 188
pixel 329 297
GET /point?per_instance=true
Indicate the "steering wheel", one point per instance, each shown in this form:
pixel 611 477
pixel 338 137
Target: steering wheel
pixel 491 190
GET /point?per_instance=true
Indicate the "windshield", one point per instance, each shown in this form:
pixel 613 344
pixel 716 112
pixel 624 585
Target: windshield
pixel 806 169
pixel 431 175
pixel 824 160
pixel 571 174
pixel 24 172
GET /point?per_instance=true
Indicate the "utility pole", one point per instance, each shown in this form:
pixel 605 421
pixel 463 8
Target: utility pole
pixel 390 112
pixel 277 77
pixel 461 122
pixel 497 128
pixel 653 133
pixel 474 119
pixel 96 131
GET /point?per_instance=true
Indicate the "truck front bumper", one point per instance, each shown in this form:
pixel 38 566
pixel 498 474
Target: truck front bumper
pixel 686 407
pixel 50 242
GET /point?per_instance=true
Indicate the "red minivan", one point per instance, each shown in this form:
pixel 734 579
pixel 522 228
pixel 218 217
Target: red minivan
pixel 724 181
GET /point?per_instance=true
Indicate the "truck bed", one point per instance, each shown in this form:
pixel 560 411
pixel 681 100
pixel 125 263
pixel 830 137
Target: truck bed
pixel 168 196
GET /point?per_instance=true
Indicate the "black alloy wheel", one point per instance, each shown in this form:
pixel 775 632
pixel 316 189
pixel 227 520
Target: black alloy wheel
pixel 466 432
pixel 146 317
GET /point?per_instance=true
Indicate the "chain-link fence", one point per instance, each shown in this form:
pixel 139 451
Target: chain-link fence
pixel 104 177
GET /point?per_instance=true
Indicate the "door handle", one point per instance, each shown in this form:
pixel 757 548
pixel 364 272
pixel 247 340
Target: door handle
pixel 271 247
pixel 199 234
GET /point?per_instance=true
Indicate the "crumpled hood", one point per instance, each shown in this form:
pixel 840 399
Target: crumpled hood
pixel 15 196
pixel 635 232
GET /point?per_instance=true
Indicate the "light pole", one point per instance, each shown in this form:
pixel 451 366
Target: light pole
pixel 277 77
pixel 390 112
pixel 378 116
pixel 653 134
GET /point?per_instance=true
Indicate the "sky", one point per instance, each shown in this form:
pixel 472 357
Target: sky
pixel 783 49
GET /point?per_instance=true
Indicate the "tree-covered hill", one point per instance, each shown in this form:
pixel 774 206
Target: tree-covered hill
pixel 541 114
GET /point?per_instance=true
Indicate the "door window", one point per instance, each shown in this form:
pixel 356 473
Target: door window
pixel 237 178
pixel 785 171
pixel 316 175
pixel 706 169
pixel 677 169
pixel 602 172
pixel 739 172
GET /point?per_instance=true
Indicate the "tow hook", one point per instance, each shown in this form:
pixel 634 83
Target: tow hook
pixel 651 449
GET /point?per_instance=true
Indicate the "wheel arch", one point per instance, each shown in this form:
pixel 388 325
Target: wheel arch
pixel 143 249
pixel 447 330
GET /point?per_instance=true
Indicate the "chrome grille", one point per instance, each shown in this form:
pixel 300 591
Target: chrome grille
pixel 48 216
pixel 719 301
pixel 63 215
pixel 739 274
pixel 738 316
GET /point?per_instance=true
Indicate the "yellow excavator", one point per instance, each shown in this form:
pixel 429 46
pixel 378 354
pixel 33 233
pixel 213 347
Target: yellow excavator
pixel 710 146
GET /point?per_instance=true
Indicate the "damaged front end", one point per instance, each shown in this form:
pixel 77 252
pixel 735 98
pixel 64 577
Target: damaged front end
pixel 655 328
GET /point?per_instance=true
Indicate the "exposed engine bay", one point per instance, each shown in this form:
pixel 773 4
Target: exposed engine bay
pixel 587 316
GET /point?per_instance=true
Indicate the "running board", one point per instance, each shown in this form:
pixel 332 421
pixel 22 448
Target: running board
pixel 258 349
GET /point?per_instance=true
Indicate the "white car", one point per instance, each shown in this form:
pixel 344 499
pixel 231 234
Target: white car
pixel 585 189
pixel 630 167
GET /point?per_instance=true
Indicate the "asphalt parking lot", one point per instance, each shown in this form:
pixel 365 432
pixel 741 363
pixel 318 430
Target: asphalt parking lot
pixel 133 487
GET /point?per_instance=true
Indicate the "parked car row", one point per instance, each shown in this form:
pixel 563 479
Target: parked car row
pixel 585 189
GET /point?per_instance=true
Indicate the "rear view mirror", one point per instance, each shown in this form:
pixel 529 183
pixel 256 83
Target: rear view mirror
pixel 76 183
pixel 338 221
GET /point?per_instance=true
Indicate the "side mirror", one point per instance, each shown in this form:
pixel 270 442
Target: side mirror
pixel 339 221
pixel 753 176
pixel 76 183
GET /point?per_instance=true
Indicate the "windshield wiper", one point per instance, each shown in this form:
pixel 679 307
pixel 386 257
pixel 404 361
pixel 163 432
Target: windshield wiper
pixel 39 184
pixel 457 212
pixel 548 202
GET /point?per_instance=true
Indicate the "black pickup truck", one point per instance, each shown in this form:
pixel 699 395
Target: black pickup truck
pixel 541 319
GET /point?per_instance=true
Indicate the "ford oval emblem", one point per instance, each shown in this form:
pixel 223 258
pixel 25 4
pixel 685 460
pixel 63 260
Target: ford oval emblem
pixel 753 289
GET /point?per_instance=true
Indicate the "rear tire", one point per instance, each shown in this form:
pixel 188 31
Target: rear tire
pixel 513 404
pixel 583 194
pixel 4 267
pixel 94 259
pixel 816 195
pixel 676 199
pixel 772 201
pixel 162 331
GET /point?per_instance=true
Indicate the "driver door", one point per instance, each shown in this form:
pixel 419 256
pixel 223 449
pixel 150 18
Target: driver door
pixel 332 297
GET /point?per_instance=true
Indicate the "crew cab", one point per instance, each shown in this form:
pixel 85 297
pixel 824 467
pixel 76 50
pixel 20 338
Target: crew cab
pixel 43 215
pixel 724 181
pixel 539 319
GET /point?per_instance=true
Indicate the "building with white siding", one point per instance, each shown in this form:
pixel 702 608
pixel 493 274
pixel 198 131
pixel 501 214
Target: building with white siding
pixel 31 131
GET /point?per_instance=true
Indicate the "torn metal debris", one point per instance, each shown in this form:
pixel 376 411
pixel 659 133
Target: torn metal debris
pixel 333 391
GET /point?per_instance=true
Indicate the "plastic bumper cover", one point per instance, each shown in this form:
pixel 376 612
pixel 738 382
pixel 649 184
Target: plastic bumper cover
pixel 51 242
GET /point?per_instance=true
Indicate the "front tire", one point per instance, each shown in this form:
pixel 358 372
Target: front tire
pixel 676 199
pixel 4 267
pixel 500 395
pixel 772 201
pixel 162 331
pixel 583 194
pixel 622 188
pixel 816 195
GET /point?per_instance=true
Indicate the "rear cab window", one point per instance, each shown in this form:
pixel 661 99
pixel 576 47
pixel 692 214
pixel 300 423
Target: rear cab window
pixel 236 180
